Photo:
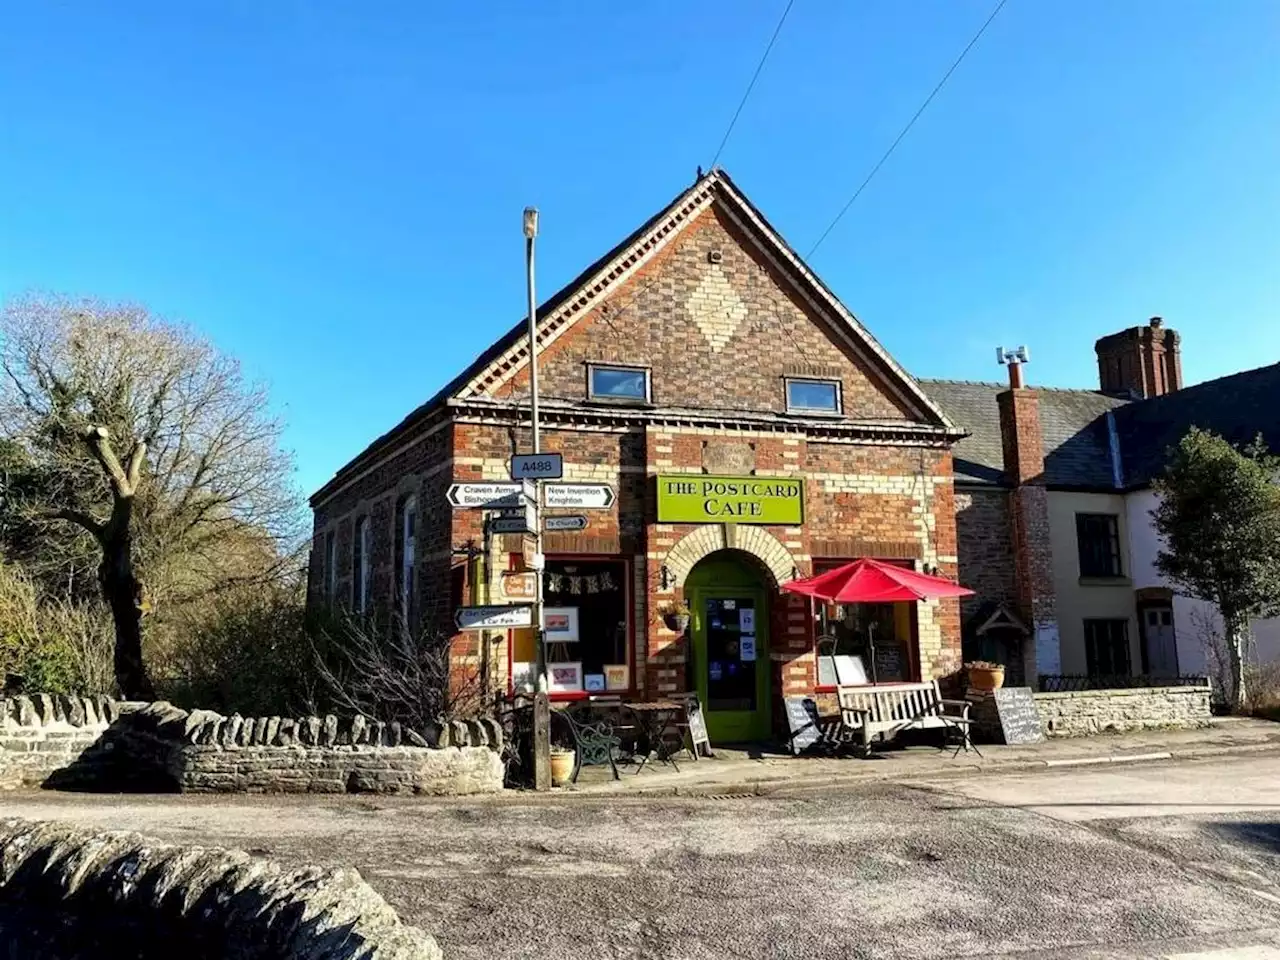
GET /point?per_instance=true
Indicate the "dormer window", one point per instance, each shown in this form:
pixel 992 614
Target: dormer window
pixel 617 384
pixel 813 396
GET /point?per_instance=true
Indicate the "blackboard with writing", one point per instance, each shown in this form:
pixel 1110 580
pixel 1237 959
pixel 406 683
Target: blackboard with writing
pixel 698 739
pixel 802 719
pixel 1019 720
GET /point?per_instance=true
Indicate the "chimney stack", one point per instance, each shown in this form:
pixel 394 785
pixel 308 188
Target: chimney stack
pixel 1140 362
pixel 1023 445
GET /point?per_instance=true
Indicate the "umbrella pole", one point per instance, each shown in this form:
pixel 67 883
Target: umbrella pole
pixel 871 646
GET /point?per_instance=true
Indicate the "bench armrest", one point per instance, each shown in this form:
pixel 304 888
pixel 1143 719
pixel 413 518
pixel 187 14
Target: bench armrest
pixel 964 704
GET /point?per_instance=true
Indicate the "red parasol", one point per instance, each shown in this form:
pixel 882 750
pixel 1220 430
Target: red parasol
pixel 870 581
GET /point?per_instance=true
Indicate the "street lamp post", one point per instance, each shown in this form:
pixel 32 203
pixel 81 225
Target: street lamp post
pixel 541 700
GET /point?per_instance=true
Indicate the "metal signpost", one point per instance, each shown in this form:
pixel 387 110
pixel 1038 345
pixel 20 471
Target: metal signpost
pixel 523 519
pixel 491 496
pixel 580 496
pixel 493 617
pixel 537 466
pixel 571 522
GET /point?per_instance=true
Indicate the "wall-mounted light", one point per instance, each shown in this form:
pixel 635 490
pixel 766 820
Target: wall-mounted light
pixel 665 579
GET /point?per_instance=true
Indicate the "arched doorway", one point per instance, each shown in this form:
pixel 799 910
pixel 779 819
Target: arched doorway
pixel 728 593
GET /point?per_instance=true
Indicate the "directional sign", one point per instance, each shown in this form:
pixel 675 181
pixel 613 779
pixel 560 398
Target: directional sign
pixel 489 496
pixel 537 466
pixel 520 520
pixel 583 496
pixel 574 522
pixel 493 617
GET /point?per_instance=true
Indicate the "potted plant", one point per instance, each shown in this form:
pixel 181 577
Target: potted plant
pixel 985 675
pixel 562 763
pixel 677 618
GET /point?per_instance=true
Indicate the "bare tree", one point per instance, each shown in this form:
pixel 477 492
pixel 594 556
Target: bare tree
pixel 142 434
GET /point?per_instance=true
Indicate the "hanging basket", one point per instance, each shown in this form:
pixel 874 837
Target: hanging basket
pixel 679 622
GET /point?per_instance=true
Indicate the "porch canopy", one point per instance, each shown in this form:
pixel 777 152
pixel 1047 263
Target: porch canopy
pixel 870 581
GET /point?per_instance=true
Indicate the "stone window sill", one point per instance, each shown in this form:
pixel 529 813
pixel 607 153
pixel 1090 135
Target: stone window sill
pixel 1105 582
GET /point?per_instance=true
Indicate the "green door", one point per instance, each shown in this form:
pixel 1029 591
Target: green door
pixel 730 627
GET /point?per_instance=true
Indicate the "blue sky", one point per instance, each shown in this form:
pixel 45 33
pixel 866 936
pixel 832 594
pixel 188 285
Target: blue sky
pixel 334 195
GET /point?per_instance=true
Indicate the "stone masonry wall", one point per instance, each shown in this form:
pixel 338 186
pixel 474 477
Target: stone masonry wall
pixel 43 734
pixel 69 893
pixel 97 743
pixel 204 752
pixel 1117 711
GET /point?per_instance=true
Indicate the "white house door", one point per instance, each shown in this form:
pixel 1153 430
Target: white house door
pixel 1162 647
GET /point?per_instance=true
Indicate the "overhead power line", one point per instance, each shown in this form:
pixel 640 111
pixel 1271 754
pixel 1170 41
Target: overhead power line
pixel 754 77
pixel 910 123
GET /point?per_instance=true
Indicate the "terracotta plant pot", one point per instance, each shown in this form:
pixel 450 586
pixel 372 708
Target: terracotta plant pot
pixel 986 678
pixel 562 767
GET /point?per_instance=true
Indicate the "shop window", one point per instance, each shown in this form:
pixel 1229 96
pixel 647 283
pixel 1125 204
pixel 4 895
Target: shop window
pixel 1098 539
pixel 627 384
pixel 813 396
pixel 1106 647
pixel 861 643
pixel 360 547
pixel 587 619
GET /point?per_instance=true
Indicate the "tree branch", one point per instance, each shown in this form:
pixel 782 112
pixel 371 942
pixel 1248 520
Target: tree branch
pixel 99 442
pixel 136 457
pixel 96 527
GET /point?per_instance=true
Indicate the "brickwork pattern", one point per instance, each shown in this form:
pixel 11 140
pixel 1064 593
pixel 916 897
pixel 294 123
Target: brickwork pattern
pixel 985 537
pixel 687 319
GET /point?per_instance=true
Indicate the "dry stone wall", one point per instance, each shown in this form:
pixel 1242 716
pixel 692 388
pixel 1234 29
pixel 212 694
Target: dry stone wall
pixel 67 893
pixel 203 751
pixel 44 733
pixel 97 743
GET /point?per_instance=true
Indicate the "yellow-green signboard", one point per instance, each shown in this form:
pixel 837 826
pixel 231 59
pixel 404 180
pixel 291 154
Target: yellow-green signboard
pixel 698 498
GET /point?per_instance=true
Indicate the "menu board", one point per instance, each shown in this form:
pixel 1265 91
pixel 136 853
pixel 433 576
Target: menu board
pixel 1019 719
pixel 802 719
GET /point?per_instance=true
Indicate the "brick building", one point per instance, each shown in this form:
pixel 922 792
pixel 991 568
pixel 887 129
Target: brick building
pixel 753 431
pixel 1053 492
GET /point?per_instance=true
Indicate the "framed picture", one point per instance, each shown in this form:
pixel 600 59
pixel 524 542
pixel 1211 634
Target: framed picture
pixel 561 624
pixel 594 682
pixel 523 675
pixel 617 677
pixel 564 677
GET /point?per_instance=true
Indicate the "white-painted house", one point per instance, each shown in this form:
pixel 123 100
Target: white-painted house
pixel 1073 543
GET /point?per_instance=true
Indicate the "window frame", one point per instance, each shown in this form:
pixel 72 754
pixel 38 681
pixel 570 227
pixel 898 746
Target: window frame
pixel 813 411
pixel 1091 626
pixel 405 554
pixel 330 566
pixel 1084 559
pixel 595 397
pixel 361 543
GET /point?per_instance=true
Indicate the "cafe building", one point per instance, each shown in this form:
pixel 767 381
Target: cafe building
pixel 751 430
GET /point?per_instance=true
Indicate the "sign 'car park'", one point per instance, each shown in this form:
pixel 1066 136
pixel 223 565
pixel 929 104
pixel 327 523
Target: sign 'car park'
pixel 493 617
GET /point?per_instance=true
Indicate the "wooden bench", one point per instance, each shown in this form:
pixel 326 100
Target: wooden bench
pixel 888 709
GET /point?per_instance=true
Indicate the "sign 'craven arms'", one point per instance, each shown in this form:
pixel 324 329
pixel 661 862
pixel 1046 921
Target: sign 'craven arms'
pixel 698 498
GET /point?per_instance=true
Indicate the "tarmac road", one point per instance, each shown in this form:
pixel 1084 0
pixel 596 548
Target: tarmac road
pixel 1142 860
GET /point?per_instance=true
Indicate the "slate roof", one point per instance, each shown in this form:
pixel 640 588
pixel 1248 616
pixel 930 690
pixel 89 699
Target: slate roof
pixel 1239 407
pixel 1072 424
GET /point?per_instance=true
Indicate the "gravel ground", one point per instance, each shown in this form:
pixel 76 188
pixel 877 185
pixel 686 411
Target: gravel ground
pixel 880 870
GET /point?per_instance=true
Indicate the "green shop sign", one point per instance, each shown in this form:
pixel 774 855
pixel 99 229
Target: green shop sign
pixel 696 498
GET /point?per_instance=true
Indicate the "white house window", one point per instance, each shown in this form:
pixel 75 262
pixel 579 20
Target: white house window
pixel 360 566
pixel 629 384
pixel 813 396
pixel 406 542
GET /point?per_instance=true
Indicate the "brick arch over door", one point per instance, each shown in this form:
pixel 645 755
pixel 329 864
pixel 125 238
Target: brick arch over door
pixel 757 541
